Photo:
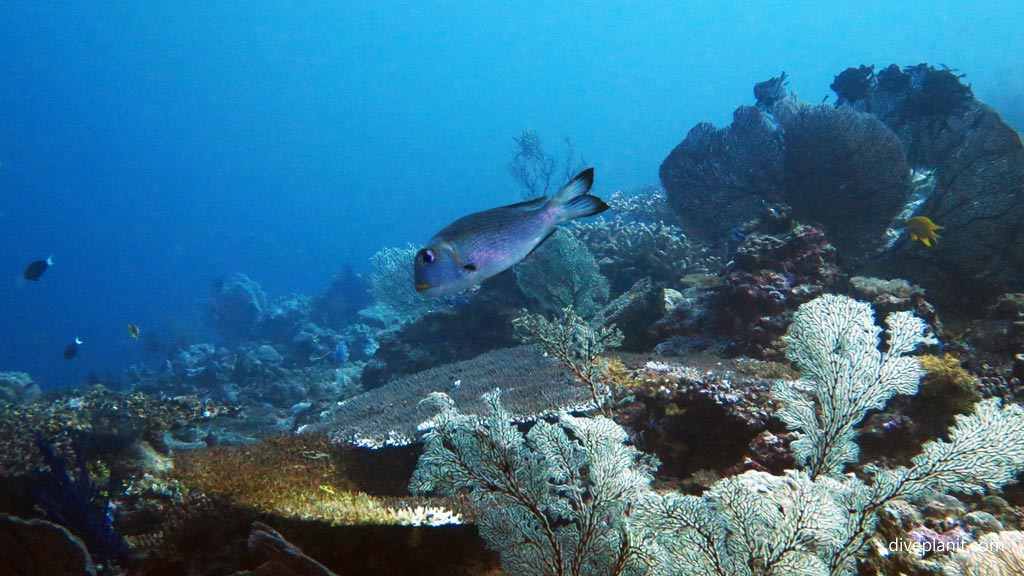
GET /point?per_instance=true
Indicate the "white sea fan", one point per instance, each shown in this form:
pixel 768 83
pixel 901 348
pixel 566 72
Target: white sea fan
pixel 556 500
pixel 835 343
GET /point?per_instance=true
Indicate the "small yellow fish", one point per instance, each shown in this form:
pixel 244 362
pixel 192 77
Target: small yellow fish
pixel 328 489
pixel 923 230
pixel 133 331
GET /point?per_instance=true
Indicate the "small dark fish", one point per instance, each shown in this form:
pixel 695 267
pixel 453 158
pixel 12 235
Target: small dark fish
pixel 476 247
pixel 72 350
pixel 133 331
pixel 36 269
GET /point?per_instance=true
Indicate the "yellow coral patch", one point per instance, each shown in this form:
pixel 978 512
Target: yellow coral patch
pixel 289 476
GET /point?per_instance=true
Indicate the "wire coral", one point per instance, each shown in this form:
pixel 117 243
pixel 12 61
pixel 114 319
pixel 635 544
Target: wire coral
pixel 533 168
pixel 555 501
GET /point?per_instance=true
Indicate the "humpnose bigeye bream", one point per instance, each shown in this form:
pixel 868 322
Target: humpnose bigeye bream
pixel 476 247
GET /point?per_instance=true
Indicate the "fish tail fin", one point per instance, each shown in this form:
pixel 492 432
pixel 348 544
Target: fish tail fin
pixel 78 340
pixel 574 201
pixel 49 260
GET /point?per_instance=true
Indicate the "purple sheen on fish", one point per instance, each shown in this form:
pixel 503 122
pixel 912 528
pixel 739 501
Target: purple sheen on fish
pixel 483 244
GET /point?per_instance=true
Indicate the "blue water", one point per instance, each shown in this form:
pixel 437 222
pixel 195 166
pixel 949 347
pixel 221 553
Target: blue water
pixel 151 147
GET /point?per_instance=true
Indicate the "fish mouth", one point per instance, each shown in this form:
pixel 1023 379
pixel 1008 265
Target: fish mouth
pixel 421 286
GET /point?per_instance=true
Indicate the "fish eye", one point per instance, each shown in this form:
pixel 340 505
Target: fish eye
pixel 428 256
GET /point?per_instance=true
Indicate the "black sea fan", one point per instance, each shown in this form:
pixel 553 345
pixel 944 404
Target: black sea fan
pixel 845 170
pixel 853 84
pixel 936 92
pixel 70 498
pixel 716 179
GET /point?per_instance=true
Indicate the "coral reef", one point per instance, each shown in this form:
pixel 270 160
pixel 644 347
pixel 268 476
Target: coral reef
pixel 704 415
pixel 340 304
pixel 645 204
pixel 978 164
pixel 998 554
pixel 633 312
pixel 453 334
pixel 837 168
pixel 71 499
pixel 769 277
pixel 287 476
pixel 844 391
pixel 836 341
pixel 853 84
pixel 630 250
pixel 236 306
pixel 992 341
pixel 779 265
pixel 725 414
pixel 100 420
pixel 538 511
pixel 17 387
pixel 285 557
pixel 846 169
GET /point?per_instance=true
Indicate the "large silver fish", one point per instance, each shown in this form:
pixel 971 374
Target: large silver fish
pixel 476 247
